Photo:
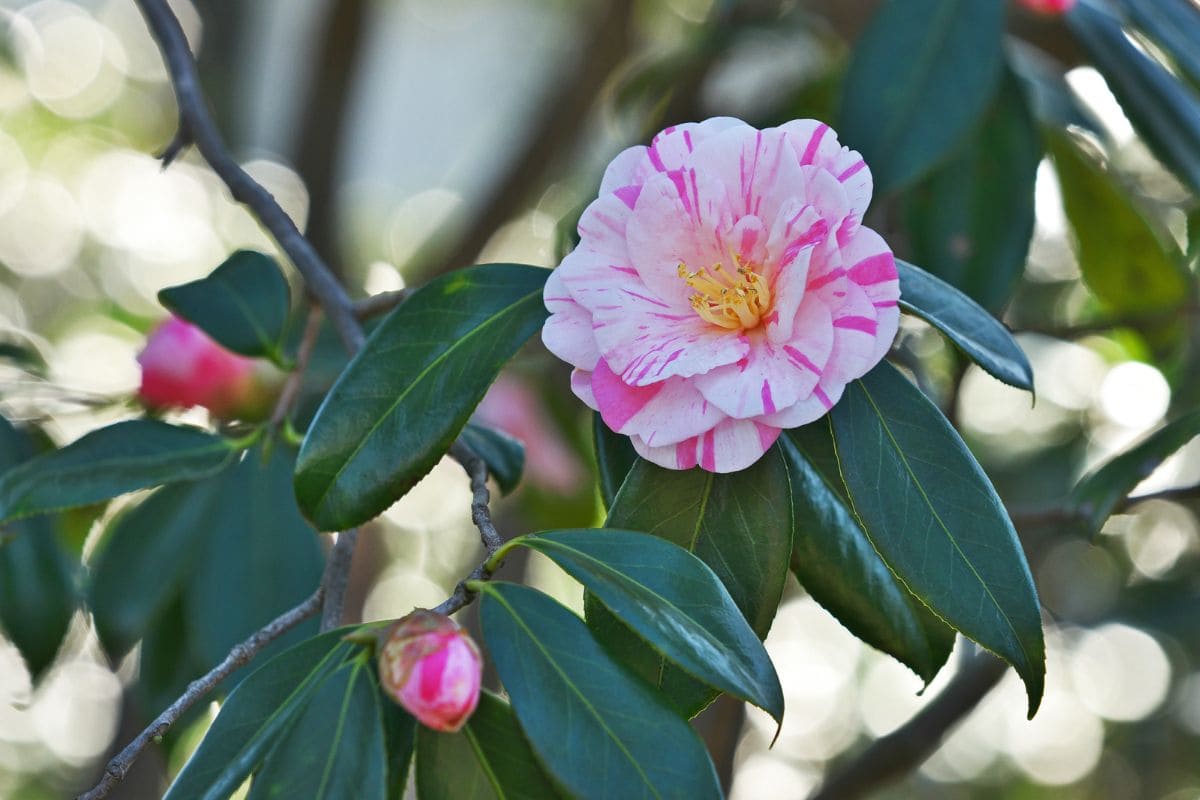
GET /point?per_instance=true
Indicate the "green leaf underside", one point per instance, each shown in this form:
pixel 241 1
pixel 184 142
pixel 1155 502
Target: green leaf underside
pixel 739 524
pixel 334 749
pixel 243 305
pixel 489 759
pixel 933 516
pixel 400 740
pixel 615 457
pixel 121 458
pixel 967 324
pixel 599 730
pixel 1099 493
pixel 374 436
pixel 1123 260
pixel 674 602
pixel 504 455
pixel 920 78
pixel 836 563
pixel 972 219
pixel 256 714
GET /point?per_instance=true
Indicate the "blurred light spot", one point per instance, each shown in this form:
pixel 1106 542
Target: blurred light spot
pixel 14 172
pixel 1120 672
pixel 417 220
pixel 1047 201
pixel 382 277
pixel 141 56
pixel 1158 534
pixel 1186 705
pixel 761 775
pixel 528 239
pixel 1061 744
pixel 1093 90
pixel 543 574
pixel 76 712
pixel 41 232
pixel 66 52
pixel 1135 395
pixel 399 590
pixel 98 356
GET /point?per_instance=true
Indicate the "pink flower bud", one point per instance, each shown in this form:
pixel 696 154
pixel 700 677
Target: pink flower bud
pixel 429 665
pixel 1052 7
pixel 182 367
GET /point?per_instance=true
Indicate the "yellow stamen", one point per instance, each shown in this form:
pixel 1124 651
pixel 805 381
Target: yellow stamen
pixel 734 303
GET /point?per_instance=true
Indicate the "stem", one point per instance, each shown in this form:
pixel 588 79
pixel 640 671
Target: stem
pixel 291 388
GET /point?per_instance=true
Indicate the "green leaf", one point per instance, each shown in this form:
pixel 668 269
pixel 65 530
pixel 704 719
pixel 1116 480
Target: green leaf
pixel 972 219
pixel 1054 102
pixel 334 749
pixel 400 738
pixel 834 560
pixel 243 305
pixel 920 78
pixel 488 759
pixel 1175 25
pixel 255 715
pixel 1098 494
pixel 615 457
pixel 933 516
pixel 1164 110
pixel 398 406
pixel 121 458
pixel 1124 261
pixel 166 665
pixel 599 730
pixel 504 455
pixel 37 579
pixel 739 524
pixel 966 323
pixel 674 602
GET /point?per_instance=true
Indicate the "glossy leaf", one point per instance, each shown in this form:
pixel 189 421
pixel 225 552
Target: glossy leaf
pixel 966 323
pixel 121 458
pixel 376 433
pixel 932 514
pixel 399 741
pixel 504 455
pixel 739 524
pixel 489 759
pixel 1174 24
pixel 243 305
pixel 674 602
pixel 1123 260
pixel 1097 496
pixel 1055 104
pixel 334 749
pixel 1164 110
pixel 615 457
pixel 972 219
pixel 836 563
pixel 255 715
pixel 920 78
pixel 600 731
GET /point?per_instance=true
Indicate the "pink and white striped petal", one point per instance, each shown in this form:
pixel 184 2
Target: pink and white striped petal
pixel 661 414
pixel 581 385
pixel 602 226
pixel 810 409
pixel 855 327
pixel 731 445
pixel 816 143
pixel 669 149
pixel 568 331
pixel 871 265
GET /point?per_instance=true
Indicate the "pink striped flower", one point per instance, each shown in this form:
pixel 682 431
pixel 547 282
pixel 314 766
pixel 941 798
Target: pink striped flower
pixel 724 288
pixel 429 665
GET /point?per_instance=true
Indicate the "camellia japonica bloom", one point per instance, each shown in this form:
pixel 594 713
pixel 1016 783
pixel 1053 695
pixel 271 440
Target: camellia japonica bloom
pixel 430 666
pixel 724 288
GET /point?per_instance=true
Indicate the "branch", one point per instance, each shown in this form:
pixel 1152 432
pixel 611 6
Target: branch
pixel 336 578
pixel 481 515
pixel 380 303
pixel 895 755
pixel 241 654
pixel 295 379
pixel 196 126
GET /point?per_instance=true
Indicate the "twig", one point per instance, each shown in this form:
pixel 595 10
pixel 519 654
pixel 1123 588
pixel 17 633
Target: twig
pixel 481 515
pixel 380 303
pixel 241 654
pixel 1064 514
pixel 892 757
pixel 291 387
pixel 336 578
pixel 196 126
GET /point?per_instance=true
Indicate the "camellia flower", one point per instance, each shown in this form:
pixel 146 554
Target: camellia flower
pixel 430 666
pixel 723 289
pixel 1048 6
pixel 182 367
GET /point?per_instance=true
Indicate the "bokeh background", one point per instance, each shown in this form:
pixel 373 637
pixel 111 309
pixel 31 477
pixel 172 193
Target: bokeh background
pixel 413 136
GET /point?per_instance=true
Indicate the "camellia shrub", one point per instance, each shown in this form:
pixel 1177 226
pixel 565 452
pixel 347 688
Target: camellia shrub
pixel 731 307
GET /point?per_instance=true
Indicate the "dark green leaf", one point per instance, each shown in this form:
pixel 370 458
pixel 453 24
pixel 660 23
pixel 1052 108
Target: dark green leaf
pixel 920 79
pixel 933 516
pixel 966 323
pixel 488 759
pixel 1099 493
pixel 1165 111
pixel 121 458
pixel 600 731
pixel 834 560
pixel 504 455
pixel 334 749
pixel 24 356
pixel 1174 24
pixel 1124 261
pixel 243 305
pixel 166 664
pixel 739 524
pixel 255 715
pixel 972 219
pixel 1054 102
pixel 615 457
pixel 400 739
pixel 673 601
pixel 377 432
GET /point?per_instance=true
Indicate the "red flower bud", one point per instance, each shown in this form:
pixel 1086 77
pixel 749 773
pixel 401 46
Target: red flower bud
pixel 1052 7
pixel 430 666
pixel 182 367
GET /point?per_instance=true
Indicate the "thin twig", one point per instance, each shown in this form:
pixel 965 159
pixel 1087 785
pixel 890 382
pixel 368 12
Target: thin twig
pixel 380 303
pixel 240 655
pixel 295 379
pixel 196 126
pixel 337 578
pixel 481 515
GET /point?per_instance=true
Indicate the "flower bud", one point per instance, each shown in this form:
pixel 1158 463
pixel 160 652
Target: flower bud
pixel 1050 7
pixel 430 666
pixel 182 367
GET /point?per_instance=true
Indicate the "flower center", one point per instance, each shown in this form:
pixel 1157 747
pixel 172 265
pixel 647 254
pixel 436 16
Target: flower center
pixel 735 302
